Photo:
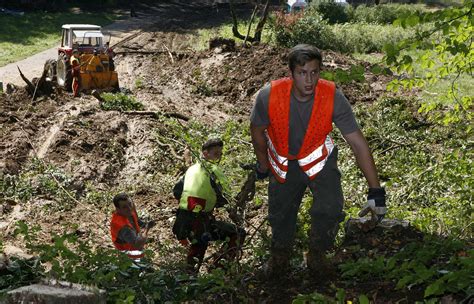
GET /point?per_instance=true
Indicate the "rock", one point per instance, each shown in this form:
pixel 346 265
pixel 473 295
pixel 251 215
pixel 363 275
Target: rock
pixel 3 261
pixel 12 251
pixel 60 293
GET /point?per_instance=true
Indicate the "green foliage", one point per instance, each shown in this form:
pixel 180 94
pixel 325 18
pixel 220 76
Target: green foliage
pixel 235 135
pixel 441 266
pixel 139 83
pixel 445 52
pixel 309 27
pixel 19 272
pixel 293 29
pixel 363 37
pixel 331 12
pixel 120 102
pixel 38 178
pixel 313 298
pixel 427 169
pixel 384 13
pixel 76 261
pixel 340 76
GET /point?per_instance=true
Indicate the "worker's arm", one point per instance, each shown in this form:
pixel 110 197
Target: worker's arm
pixel 259 142
pixel 129 236
pixel 363 156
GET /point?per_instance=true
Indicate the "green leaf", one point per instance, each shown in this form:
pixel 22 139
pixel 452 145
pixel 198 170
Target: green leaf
pixel 376 69
pixel 434 289
pixel 412 20
pixel 363 299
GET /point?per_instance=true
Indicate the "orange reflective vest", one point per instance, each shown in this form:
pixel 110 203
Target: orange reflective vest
pixel 317 144
pixel 117 223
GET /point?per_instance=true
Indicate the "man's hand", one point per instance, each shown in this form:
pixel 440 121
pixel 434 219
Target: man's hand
pixel 184 242
pixel 375 203
pixel 151 224
pixel 260 172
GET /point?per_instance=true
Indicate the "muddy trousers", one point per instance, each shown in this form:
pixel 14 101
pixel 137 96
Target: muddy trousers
pixel 326 213
pixel 206 230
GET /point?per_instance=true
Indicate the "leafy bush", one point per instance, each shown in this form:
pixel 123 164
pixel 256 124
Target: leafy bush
pixel 76 261
pixel 120 102
pixel 293 29
pixel 38 178
pixel 441 50
pixel 309 27
pixel 440 266
pixel 332 12
pixel 363 37
pixel 427 168
pixel 382 14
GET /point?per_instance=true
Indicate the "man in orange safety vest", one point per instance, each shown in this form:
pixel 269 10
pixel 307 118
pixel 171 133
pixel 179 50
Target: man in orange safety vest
pixel 290 127
pixel 125 228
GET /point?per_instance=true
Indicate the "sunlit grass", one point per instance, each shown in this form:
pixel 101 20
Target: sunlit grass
pixel 225 31
pixel 23 36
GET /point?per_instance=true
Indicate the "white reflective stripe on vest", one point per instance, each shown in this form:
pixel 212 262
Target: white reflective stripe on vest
pixel 316 153
pixel 280 172
pixel 282 160
pixel 133 253
pixel 319 166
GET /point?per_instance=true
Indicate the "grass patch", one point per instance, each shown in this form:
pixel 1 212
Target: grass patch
pixel 23 36
pixel 120 102
pixel 225 31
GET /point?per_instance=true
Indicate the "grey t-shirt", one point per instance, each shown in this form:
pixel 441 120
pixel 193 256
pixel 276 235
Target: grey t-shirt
pixel 300 113
pixel 128 235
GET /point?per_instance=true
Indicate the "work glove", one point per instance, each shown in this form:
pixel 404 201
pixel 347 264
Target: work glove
pixel 375 204
pixel 259 173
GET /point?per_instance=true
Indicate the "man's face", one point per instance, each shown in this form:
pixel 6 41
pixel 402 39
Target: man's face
pixel 305 77
pixel 125 208
pixel 213 154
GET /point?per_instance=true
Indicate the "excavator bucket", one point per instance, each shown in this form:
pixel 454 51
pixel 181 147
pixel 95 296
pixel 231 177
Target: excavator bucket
pixel 97 72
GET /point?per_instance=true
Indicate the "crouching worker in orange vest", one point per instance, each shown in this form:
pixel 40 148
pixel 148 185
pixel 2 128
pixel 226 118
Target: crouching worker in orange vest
pixel 199 192
pixel 125 228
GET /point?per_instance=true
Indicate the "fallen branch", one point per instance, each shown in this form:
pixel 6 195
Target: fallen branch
pixel 97 96
pixel 153 52
pixel 169 53
pixel 158 114
pixel 30 87
pixel 175 155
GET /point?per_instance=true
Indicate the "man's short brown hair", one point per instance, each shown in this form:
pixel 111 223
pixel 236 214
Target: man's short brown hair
pixel 119 198
pixel 213 142
pixel 303 53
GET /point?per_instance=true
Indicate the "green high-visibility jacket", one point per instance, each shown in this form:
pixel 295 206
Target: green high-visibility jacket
pixel 197 183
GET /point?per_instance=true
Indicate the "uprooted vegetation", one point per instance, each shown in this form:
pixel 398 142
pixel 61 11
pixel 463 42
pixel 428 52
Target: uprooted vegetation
pixel 64 158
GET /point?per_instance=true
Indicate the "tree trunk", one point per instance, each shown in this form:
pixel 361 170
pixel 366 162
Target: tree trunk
pixel 258 30
pixel 261 23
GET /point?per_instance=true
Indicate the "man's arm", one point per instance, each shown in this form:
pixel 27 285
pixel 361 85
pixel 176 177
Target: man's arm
pixel 364 158
pixel 129 236
pixel 259 142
